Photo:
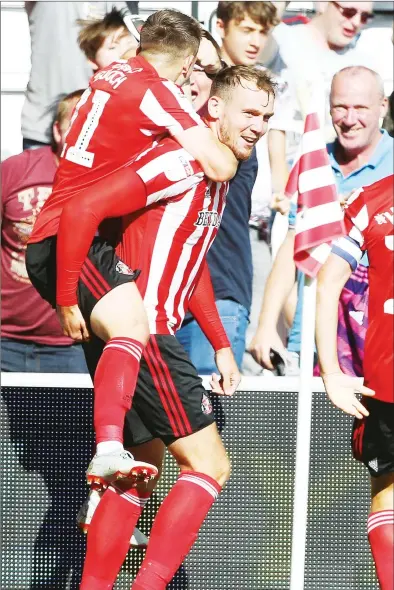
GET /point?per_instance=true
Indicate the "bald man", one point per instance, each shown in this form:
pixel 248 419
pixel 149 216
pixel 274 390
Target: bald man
pixel 362 153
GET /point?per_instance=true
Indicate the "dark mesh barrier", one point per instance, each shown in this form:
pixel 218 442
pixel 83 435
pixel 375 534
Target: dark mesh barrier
pixel 246 541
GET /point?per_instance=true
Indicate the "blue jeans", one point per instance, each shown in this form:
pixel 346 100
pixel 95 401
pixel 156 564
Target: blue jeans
pixel 19 356
pixel 235 320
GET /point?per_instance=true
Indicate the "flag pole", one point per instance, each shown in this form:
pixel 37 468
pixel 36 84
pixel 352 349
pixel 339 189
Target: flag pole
pixel 317 99
pixel 304 422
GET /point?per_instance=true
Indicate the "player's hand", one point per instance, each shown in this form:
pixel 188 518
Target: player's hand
pixel 208 58
pixel 341 390
pixel 261 345
pixel 72 323
pixel 230 377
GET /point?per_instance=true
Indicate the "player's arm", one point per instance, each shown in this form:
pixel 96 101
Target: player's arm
pixel 203 307
pixel 186 127
pixel 341 389
pixel 216 159
pixel 278 288
pixel 109 197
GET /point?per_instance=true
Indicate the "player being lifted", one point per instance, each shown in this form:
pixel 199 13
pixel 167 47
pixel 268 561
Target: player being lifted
pixel 126 107
pixel 369 218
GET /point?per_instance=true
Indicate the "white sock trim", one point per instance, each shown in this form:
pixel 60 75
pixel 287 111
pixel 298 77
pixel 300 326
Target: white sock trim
pixel 200 482
pixel 380 518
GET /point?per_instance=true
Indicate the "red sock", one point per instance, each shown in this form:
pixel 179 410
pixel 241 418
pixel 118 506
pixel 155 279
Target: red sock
pixel 109 536
pixel 175 529
pixel 114 385
pixel 381 540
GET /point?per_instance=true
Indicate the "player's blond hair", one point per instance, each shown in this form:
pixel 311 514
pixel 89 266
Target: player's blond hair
pixel 170 32
pixel 232 77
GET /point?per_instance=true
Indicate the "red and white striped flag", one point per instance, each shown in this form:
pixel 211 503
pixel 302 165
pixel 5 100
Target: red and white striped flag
pixel 319 215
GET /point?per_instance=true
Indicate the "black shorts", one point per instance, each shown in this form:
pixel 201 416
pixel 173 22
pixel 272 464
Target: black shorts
pixel 373 437
pixel 101 272
pixel 170 401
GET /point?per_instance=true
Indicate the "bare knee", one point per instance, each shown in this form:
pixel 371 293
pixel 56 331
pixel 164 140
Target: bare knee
pixel 121 312
pixel 382 492
pixel 203 452
pixel 219 469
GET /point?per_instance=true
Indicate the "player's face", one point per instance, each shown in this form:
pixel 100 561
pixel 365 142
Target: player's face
pixel 243 118
pixel 356 108
pixel 200 86
pixel 241 41
pixel 114 46
pixel 340 26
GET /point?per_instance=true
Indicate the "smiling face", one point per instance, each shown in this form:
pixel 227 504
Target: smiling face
pixel 340 29
pixel 243 117
pixel 357 104
pixel 242 41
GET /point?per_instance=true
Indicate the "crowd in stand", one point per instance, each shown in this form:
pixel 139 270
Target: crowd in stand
pixel 302 55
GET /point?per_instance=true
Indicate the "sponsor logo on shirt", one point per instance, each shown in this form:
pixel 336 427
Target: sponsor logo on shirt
pixel 208 219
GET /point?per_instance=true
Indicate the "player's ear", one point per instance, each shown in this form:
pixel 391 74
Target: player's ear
pixel 214 106
pixel 56 132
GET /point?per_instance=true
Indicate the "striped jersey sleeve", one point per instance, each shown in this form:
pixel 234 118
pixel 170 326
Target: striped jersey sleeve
pixel 165 105
pixel 352 246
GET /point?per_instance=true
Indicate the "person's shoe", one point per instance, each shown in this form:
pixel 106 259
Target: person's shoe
pixel 104 469
pixel 84 518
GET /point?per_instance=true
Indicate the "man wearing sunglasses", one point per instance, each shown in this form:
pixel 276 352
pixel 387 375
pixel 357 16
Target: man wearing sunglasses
pixel 331 41
pixel 341 22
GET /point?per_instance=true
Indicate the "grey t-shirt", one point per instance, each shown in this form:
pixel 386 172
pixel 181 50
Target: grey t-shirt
pixel 58 66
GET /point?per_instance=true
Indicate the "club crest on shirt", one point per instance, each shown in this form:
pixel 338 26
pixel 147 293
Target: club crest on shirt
pixel 206 406
pixel 123 269
pixel 187 166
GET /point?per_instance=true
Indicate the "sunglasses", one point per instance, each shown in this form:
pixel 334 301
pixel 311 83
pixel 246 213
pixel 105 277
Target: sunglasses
pixel 351 12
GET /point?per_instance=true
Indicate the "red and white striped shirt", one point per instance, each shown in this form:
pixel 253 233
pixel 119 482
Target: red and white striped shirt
pixel 168 241
pixel 125 109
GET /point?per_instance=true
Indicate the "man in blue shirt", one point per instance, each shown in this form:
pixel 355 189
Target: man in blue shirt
pixel 362 154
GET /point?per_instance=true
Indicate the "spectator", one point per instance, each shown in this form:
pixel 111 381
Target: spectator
pixel 362 154
pixel 106 40
pixel 31 337
pixel 243 27
pixel 58 66
pixel 314 52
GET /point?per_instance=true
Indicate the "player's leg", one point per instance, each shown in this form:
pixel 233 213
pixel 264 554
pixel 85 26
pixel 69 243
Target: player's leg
pixel 205 468
pixel 381 529
pixel 373 444
pixel 177 409
pixel 118 319
pixel 110 301
pixel 110 532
